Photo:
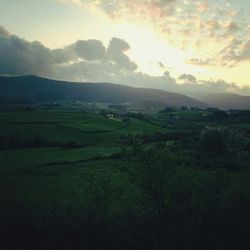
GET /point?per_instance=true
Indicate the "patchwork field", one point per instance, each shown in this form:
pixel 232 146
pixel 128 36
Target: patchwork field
pixel 82 180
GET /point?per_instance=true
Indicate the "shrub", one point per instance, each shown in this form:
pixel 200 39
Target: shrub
pixel 70 144
pixel 213 139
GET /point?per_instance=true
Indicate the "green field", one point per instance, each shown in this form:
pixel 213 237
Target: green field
pixel 45 176
pixel 80 180
pixel 84 128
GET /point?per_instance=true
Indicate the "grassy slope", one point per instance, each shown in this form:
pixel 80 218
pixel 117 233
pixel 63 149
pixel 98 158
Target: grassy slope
pixel 26 179
pixel 62 127
pixel 62 190
pixel 26 174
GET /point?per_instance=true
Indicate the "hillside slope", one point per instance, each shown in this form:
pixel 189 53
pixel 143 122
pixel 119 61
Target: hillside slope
pixel 226 100
pixel 37 89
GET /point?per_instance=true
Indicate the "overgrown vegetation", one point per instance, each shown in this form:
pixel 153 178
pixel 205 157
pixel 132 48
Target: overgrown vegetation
pixel 178 179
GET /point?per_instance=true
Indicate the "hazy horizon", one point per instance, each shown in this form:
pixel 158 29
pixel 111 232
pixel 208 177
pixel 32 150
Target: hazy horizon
pixel 181 46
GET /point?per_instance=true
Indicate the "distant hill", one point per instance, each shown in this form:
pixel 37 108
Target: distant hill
pixel 226 100
pixel 27 89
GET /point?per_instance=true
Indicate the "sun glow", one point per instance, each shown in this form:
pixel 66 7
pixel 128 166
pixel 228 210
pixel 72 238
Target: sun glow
pixel 152 51
pixel 197 39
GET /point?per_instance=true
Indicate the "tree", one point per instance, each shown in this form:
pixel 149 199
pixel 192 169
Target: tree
pixel 213 139
pixel 156 166
pixel 181 199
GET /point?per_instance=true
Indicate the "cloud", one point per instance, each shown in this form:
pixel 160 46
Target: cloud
pixel 233 27
pixel 202 6
pixel 237 51
pixel 80 59
pixel 92 62
pixel 119 8
pixel 245 52
pixel 75 62
pixel 200 62
pixel 116 53
pixel 94 51
pixel 64 55
pixel 187 78
pixel 213 25
pixel 186 24
pixel 161 65
pixel 198 88
pixel 90 50
pixel 18 56
pixel 4 32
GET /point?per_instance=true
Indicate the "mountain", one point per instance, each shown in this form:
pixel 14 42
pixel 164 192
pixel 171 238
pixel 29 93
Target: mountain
pixel 226 100
pixel 37 89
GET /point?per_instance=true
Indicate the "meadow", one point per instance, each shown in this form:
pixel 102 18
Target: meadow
pixel 74 179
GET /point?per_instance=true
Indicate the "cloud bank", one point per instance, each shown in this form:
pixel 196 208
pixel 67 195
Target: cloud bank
pixel 91 61
pixel 18 56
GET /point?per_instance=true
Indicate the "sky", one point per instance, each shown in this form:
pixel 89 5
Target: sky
pixel 183 46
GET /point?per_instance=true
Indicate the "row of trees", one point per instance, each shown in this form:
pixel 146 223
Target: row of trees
pixel 155 137
pixel 16 141
pixel 213 139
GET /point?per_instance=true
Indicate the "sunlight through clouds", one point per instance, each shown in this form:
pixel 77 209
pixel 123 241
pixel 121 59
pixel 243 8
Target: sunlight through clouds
pixel 148 43
pixel 193 34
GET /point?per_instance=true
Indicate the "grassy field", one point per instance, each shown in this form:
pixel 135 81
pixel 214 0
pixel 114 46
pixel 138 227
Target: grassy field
pixel 45 176
pixel 84 128
pixel 99 135
pixel 101 191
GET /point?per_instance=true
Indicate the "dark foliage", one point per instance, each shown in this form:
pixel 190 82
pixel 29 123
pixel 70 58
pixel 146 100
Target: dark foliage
pixel 213 139
pixel 186 188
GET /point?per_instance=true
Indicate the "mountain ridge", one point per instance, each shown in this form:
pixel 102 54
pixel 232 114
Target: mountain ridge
pixel 226 100
pixel 39 89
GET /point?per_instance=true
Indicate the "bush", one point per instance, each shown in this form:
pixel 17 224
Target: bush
pixel 213 139
pixel 70 144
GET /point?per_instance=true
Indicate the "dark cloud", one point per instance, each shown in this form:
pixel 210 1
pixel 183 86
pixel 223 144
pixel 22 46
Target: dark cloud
pixel 90 50
pixel 116 53
pixel 108 72
pixel 187 78
pixel 199 88
pixel 3 31
pixel 64 55
pixel 219 86
pixel 18 56
pixel 98 64
pixel 90 71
